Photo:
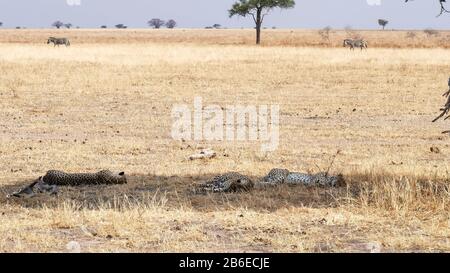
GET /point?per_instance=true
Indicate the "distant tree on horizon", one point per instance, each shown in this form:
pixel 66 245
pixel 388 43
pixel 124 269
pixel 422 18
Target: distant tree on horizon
pixel 68 25
pixel 103 26
pixel 171 24
pixel 411 35
pixel 383 23
pixel 120 26
pixel 58 24
pixel 258 9
pixel 325 33
pixel 217 26
pixel 1 24
pixel 431 32
pixel 156 23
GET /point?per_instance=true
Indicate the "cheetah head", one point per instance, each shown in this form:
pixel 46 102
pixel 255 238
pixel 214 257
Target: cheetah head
pixel 341 181
pixel 113 178
pixel 241 184
pixel 121 178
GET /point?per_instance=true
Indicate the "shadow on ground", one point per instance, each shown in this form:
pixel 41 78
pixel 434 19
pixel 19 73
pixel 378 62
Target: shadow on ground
pixel 176 191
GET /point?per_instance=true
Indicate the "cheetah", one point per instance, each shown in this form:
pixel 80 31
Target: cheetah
pixel 320 179
pixel 104 177
pixel 276 176
pixel 52 179
pixel 229 182
pixel 283 176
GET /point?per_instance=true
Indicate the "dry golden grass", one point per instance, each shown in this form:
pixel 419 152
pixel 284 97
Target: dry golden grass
pixel 106 102
pixel 270 37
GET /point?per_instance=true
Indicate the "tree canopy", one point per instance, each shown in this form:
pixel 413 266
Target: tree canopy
pixel 171 24
pixel 383 22
pixel 156 23
pixel 258 9
pixel 58 24
pixel 250 7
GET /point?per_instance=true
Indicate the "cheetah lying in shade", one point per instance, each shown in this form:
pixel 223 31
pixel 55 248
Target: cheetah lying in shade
pixel 229 182
pixel 235 182
pixel 50 182
pixel 104 177
pixel 283 176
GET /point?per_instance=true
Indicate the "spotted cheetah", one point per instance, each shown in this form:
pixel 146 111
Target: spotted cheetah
pixel 104 177
pixel 276 176
pixel 320 179
pixel 50 182
pixel 229 182
pixel 281 176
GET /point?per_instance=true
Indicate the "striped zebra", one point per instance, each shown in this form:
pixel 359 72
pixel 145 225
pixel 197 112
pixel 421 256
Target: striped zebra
pixel 58 41
pixel 355 43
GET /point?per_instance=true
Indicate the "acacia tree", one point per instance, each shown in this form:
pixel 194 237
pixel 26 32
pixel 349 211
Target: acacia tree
pixel 1 24
pixel 431 32
pixel 68 25
pixel 325 33
pixel 258 9
pixel 445 110
pixel 383 23
pixel 58 24
pixel 156 23
pixel 171 24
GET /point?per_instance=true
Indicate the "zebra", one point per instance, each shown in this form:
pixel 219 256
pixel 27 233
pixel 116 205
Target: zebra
pixel 58 41
pixel 355 43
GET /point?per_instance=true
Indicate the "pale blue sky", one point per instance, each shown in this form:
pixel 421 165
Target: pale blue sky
pixel 418 14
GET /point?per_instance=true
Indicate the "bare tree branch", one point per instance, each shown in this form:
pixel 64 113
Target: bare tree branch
pixel 443 9
pixel 254 18
pixel 446 109
pixel 264 15
pixel 441 2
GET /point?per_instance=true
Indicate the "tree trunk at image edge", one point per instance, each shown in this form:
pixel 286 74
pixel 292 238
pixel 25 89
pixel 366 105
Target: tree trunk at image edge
pixel 258 26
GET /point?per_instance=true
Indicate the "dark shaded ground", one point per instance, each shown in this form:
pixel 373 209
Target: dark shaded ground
pixel 380 190
pixel 178 191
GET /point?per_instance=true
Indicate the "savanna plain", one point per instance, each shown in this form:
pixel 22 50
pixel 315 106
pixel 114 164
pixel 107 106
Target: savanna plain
pixel 105 102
